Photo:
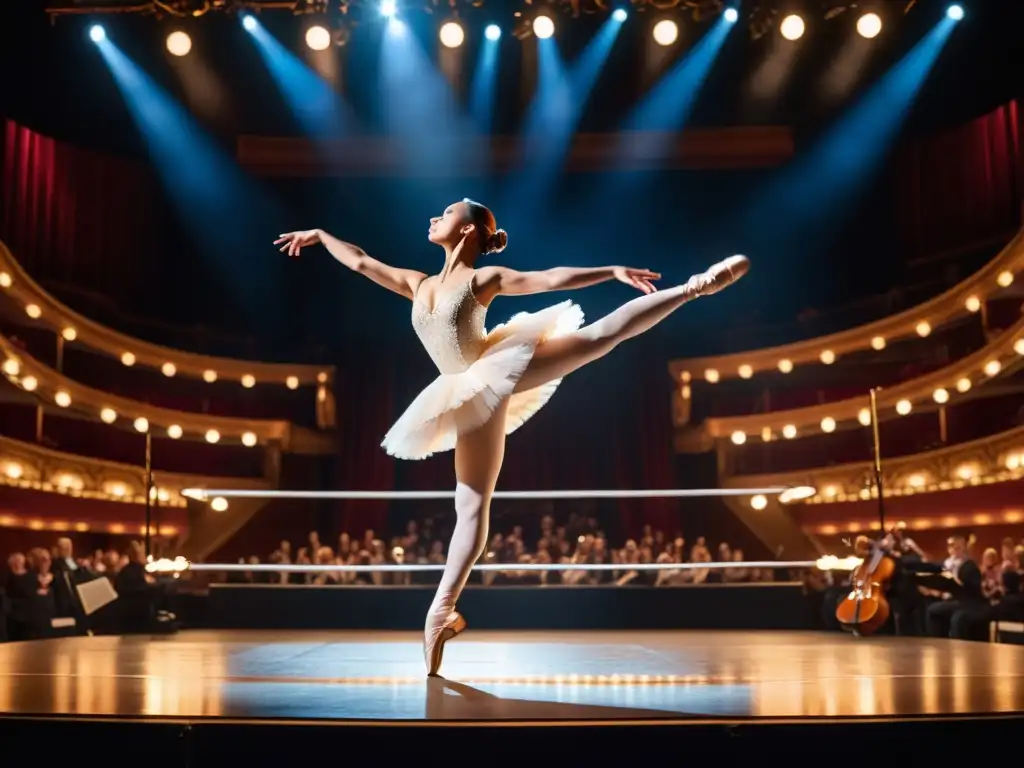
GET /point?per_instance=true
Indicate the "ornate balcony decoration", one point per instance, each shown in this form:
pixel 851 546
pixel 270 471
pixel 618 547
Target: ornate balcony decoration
pixel 994 459
pixel 35 468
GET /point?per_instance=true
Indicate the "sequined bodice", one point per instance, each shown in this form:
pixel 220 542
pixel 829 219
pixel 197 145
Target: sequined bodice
pixel 453 333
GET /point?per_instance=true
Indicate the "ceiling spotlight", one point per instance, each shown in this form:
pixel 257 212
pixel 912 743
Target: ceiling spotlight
pixel 179 43
pixel 451 34
pixel 731 15
pixel 249 22
pixel 543 27
pixel 869 25
pixel 665 32
pixel 318 38
pixel 955 12
pixel 792 27
pixel 388 8
pixel 493 32
pixel 619 15
pixel 97 33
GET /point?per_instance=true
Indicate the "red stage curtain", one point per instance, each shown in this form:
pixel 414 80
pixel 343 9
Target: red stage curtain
pixel 365 409
pixel 964 186
pixel 74 215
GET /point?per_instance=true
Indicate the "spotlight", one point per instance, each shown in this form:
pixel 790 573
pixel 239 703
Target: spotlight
pixel 792 27
pixel 97 33
pixel 451 34
pixel 388 8
pixel 731 15
pixel 543 27
pixel 955 12
pixel 619 15
pixel 179 43
pixel 318 38
pixel 869 25
pixel 248 22
pixel 665 32
pixel 493 32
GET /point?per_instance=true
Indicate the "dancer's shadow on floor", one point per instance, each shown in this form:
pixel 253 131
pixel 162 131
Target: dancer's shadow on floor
pixel 449 700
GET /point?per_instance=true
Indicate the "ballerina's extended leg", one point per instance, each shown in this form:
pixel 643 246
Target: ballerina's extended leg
pixel 561 356
pixel 478 457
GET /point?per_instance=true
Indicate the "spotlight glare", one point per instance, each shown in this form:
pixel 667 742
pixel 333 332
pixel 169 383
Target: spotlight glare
pixel 451 34
pixel 792 27
pixel 179 43
pixel 97 33
pixel 869 25
pixel 248 22
pixel 318 38
pixel 388 8
pixel 731 15
pixel 543 27
pixel 493 32
pixel 665 32
pixel 619 15
pixel 955 12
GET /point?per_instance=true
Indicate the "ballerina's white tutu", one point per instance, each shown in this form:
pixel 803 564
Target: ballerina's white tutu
pixel 479 369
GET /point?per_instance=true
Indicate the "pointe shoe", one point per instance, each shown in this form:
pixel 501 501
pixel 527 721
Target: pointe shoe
pixel 719 276
pixel 433 646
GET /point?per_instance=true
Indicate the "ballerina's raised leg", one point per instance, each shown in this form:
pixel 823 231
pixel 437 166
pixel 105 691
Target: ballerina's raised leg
pixel 479 454
pixel 560 356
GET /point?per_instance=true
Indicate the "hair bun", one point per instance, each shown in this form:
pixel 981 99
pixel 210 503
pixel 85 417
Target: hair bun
pixel 497 241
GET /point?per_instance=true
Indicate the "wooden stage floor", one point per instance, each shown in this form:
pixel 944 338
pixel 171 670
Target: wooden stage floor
pixel 573 677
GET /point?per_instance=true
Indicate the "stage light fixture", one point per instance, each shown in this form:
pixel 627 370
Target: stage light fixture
pixel 493 32
pixel 955 12
pixel 792 27
pixel 451 34
pixel 665 32
pixel 869 25
pixel 619 15
pixel 731 15
pixel 388 9
pixel 179 43
pixel 97 33
pixel 318 38
pixel 248 22
pixel 543 27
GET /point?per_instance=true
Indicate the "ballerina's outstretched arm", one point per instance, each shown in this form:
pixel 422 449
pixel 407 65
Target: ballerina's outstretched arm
pixel 401 281
pixel 494 281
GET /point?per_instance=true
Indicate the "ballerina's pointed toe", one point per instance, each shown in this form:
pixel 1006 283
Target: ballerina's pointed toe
pixel 720 276
pixel 433 647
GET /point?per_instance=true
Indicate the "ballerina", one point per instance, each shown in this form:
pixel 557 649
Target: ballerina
pixel 491 382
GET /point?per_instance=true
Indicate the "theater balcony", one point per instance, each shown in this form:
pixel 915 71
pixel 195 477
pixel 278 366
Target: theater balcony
pixel 35 382
pixel 106 359
pixel 966 298
pixel 989 372
pixel 977 484
pixel 796 388
pixel 98 502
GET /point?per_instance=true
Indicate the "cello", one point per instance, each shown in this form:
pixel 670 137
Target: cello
pixel 865 609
